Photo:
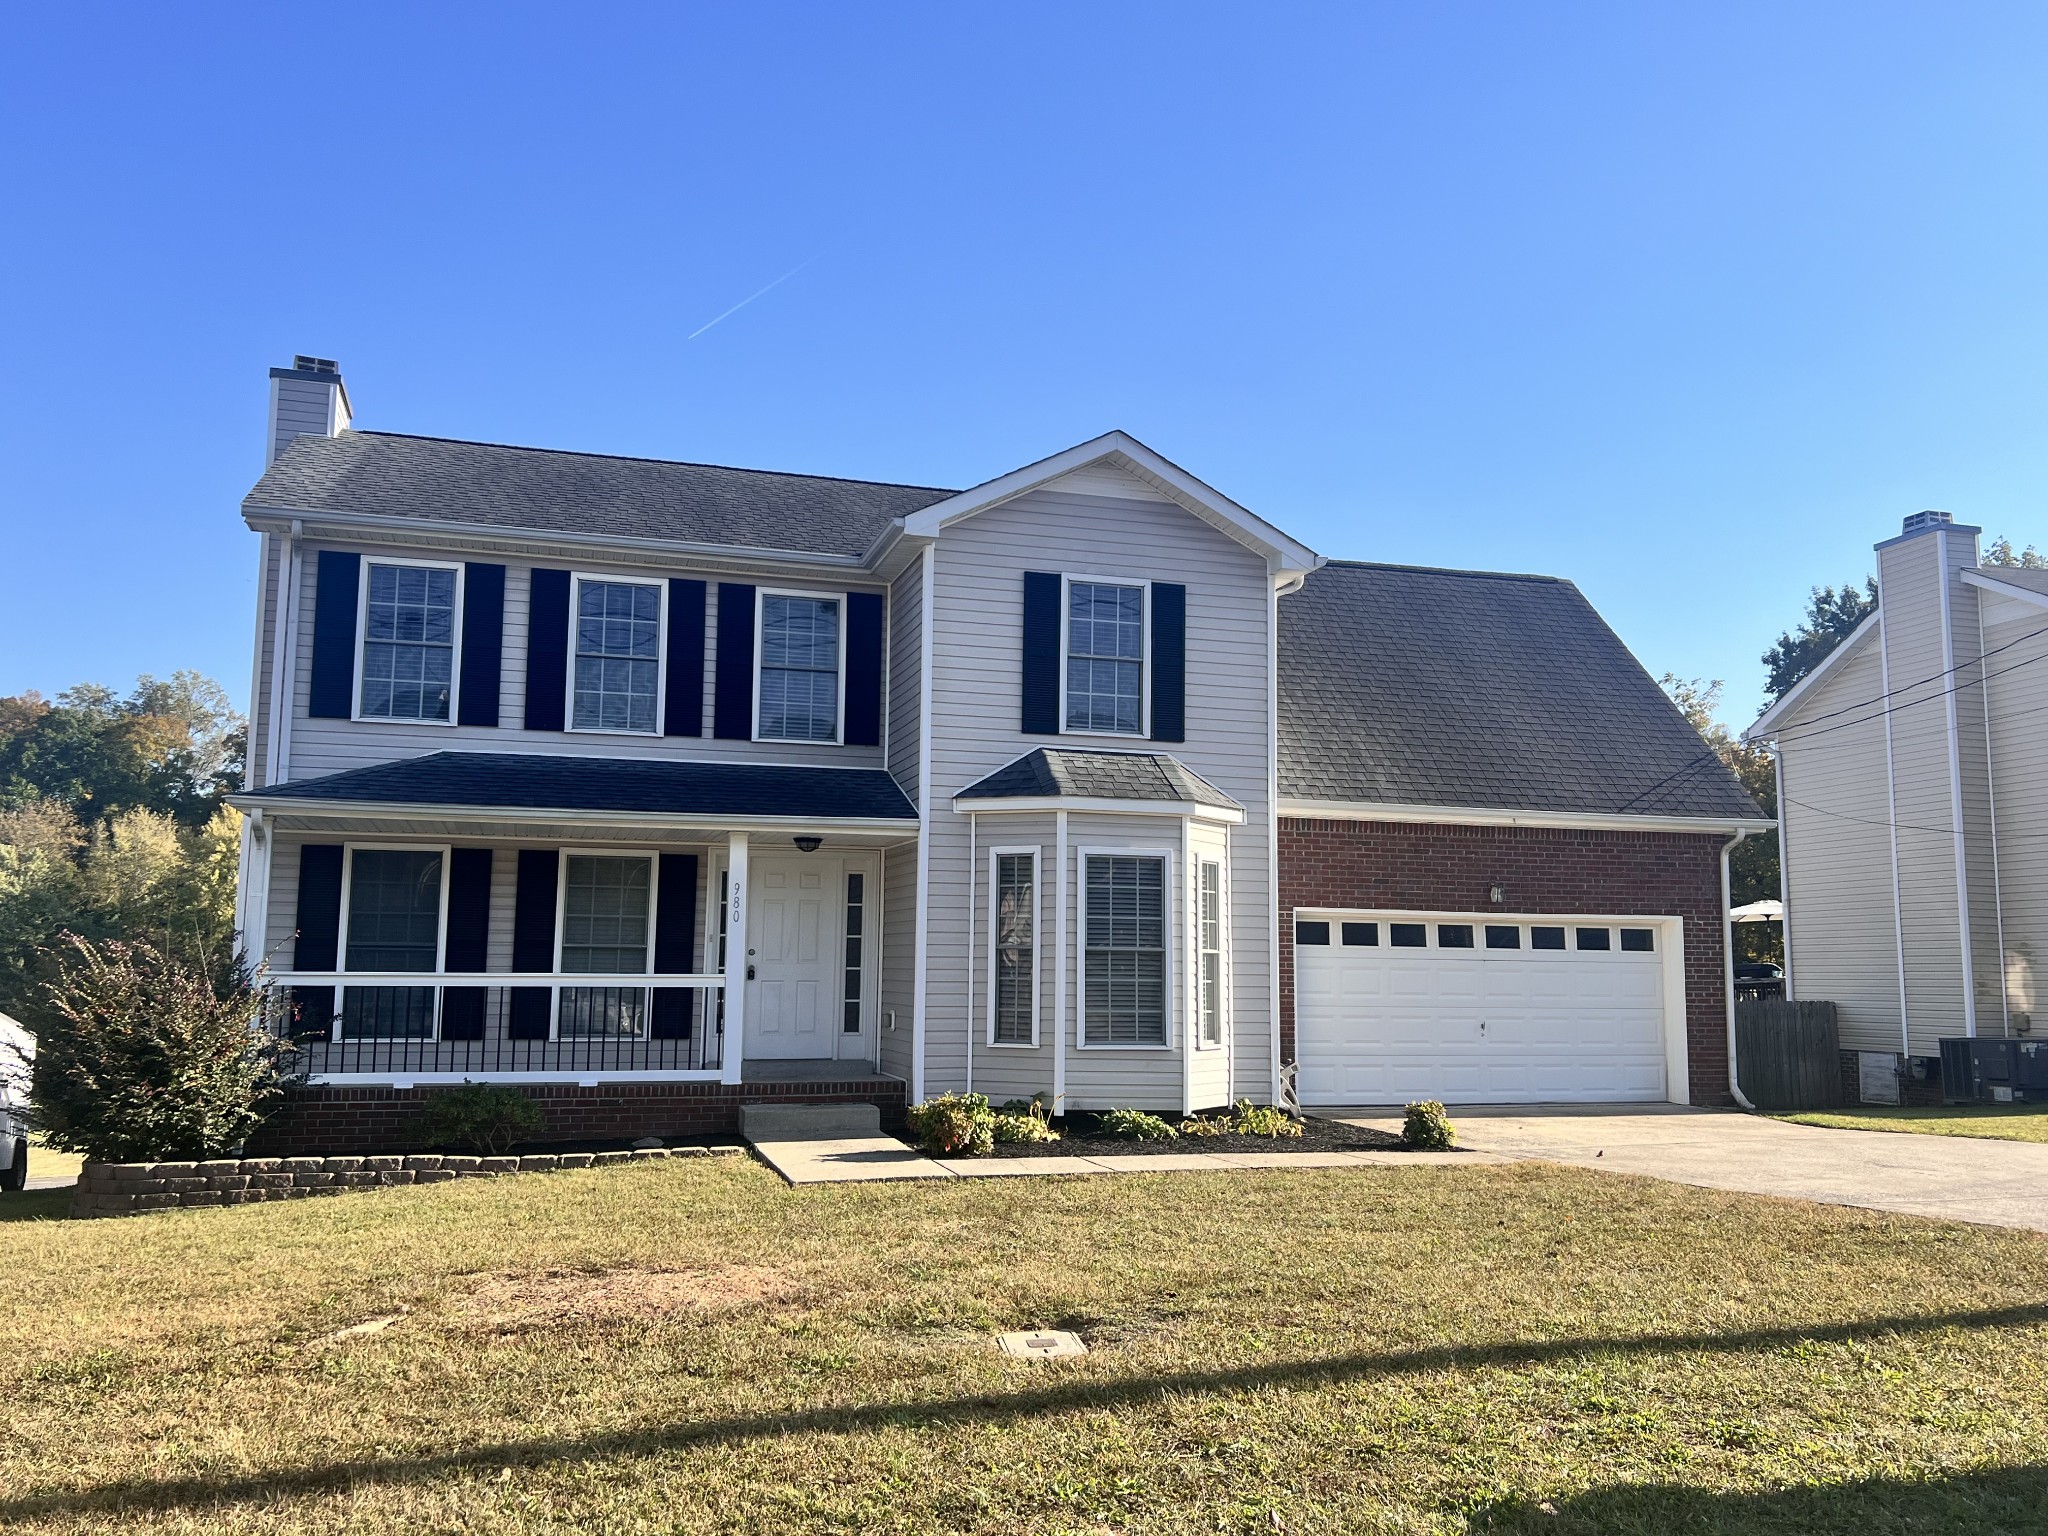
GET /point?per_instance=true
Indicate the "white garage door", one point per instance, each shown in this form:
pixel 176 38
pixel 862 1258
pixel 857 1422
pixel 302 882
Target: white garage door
pixel 1393 1008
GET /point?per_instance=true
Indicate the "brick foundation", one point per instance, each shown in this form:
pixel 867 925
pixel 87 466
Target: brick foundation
pixel 1408 866
pixel 357 1119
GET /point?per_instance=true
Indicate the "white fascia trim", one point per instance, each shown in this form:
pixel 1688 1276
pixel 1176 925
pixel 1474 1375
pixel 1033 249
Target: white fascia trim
pixel 356 524
pixel 361 810
pixel 1977 578
pixel 1768 723
pixel 1182 808
pixel 1127 453
pixel 1467 816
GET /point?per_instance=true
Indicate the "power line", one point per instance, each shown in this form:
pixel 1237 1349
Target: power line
pixel 1909 687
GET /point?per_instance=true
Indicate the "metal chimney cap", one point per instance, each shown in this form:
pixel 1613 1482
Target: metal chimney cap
pixel 305 364
pixel 1920 521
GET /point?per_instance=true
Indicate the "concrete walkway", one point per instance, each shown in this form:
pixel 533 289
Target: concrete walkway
pixel 869 1158
pixel 1958 1178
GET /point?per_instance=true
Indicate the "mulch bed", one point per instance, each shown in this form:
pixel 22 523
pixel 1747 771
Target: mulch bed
pixel 1081 1136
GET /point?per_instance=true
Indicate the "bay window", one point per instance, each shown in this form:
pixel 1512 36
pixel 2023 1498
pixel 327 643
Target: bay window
pixel 1124 950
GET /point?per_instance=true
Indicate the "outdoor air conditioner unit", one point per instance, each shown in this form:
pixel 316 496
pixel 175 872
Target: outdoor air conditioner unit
pixel 1993 1071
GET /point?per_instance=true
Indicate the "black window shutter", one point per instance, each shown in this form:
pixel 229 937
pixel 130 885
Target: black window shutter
pixel 1041 653
pixel 547 650
pixel 483 643
pixel 469 941
pixel 863 669
pixel 732 712
pixel 333 693
pixel 533 940
pixel 675 944
pixel 318 945
pixel 1169 661
pixel 683 709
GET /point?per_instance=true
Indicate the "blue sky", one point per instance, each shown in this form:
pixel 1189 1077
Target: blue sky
pixel 1688 304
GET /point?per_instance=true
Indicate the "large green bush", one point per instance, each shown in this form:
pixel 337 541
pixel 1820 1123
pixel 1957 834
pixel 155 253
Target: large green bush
pixel 954 1125
pixel 143 1056
pixel 489 1119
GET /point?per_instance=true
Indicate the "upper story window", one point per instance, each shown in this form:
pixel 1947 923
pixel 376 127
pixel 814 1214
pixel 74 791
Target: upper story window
pixel 800 677
pixel 616 685
pixel 408 666
pixel 1105 657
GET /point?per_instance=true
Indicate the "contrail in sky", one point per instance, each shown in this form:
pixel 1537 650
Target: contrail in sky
pixel 743 303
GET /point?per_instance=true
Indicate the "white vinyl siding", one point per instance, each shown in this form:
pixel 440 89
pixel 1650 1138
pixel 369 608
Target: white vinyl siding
pixel 978 621
pixel 1835 816
pixel 322 746
pixel 2018 698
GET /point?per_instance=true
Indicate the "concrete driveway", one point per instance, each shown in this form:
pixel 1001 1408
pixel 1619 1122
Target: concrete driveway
pixel 1997 1183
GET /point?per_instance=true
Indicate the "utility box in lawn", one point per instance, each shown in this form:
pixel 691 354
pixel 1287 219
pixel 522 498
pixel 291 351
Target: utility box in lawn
pixel 1994 1071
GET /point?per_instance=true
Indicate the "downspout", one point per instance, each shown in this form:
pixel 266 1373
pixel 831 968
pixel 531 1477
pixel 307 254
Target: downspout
pixel 1728 967
pixel 973 894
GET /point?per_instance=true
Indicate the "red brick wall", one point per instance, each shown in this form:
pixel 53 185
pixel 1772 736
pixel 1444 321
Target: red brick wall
pixel 1396 865
pixel 358 1119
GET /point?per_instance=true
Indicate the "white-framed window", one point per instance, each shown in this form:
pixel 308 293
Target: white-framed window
pixel 1104 656
pixel 1013 946
pixel 394 917
pixel 616 655
pixel 800 666
pixel 604 926
pixel 850 999
pixel 1209 950
pixel 408 625
pixel 1126 920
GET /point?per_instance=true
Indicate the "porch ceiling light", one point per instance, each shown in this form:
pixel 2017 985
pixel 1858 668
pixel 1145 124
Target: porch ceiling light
pixel 807 844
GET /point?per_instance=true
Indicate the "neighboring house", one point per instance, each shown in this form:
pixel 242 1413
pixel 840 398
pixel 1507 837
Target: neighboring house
pixel 665 786
pixel 1913 793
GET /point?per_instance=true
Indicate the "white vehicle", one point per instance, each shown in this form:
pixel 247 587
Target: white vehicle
pixel 17 1053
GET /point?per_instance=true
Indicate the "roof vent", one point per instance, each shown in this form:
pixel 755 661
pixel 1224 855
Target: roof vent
pixel 1920 522
pixel 305 364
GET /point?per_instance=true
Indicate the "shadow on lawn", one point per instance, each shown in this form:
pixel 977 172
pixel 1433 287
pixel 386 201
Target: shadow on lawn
pixel 1991 1500
pixel 37 1205
pixel 1063 1394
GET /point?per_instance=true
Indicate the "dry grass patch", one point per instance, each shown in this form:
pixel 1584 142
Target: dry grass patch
pixel 695 1347
pixel 515 1303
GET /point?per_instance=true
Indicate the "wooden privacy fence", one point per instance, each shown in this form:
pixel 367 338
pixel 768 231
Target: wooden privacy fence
pixel 1788 1055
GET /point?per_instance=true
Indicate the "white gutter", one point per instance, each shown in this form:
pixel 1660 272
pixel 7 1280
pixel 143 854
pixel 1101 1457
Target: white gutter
pixel 1192 810
pixel 356 810
pixel 1469 816
pixel 1728 968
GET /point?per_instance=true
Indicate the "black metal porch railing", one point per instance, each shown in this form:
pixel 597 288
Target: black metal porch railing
pixel 401 1026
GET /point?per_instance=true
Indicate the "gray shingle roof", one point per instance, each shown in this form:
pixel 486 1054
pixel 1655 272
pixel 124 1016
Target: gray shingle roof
pixel 540 490
pixel 1464 688
pixel 1098 776
pixel 531 781
pixel 2016 575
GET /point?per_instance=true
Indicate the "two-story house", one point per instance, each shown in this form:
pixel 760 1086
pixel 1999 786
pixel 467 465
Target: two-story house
pixel 662 787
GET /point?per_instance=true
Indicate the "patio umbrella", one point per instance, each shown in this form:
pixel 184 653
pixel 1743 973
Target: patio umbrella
pixel 1758 912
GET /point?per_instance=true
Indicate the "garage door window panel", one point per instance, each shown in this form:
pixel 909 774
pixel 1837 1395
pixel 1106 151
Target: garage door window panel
pixel 1546 938
pixel 1501 936
pixel 1408 935
pixel 1594 938
pixel 1361 935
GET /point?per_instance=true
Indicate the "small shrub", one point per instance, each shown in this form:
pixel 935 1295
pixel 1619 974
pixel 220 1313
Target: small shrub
pixel 144 1056
pixel 1022 1128
pixel 1204 1126
pixel 490 1119
pixel 1135 1125
pixel 1038 1106
pixel 1428 1127
pixel 954 1125
pixel 1268 1120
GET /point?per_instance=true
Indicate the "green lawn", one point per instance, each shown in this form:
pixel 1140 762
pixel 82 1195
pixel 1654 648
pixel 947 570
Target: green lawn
pixel 693 1346
pixel 48 1163
pixel 1999 1122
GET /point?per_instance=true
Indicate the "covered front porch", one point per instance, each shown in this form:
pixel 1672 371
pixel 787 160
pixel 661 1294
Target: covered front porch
pixel 530 920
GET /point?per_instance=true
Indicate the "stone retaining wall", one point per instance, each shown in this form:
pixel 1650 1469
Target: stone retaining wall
pixel 129 1189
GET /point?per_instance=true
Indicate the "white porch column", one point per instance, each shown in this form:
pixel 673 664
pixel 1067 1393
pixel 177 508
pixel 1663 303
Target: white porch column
pixel 735 956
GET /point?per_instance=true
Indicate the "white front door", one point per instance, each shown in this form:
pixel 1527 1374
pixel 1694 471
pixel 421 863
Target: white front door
pixel 810 940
